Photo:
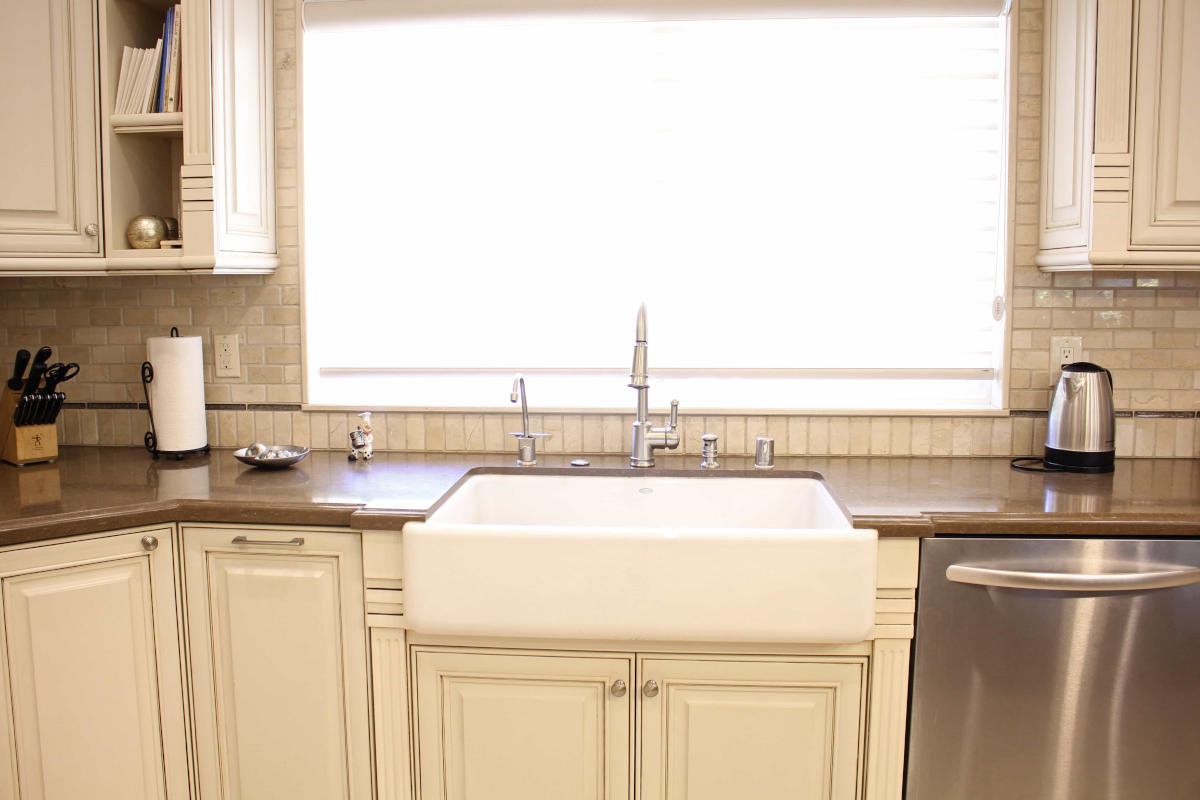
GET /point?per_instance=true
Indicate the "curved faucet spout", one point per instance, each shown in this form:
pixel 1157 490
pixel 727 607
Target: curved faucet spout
pixel 518 392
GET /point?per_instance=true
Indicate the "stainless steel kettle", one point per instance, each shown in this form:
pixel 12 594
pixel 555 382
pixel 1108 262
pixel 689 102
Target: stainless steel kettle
pixel 1080 436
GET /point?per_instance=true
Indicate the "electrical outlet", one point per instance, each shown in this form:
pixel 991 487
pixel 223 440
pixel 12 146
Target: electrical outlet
pixel 229 364
pixel 1064 350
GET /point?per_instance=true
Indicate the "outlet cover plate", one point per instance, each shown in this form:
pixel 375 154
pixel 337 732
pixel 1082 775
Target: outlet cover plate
pixel 228 362
pixel 1064 350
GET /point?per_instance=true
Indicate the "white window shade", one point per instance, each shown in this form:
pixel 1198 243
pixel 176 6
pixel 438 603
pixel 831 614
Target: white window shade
pixel 330 13
pixel 810 208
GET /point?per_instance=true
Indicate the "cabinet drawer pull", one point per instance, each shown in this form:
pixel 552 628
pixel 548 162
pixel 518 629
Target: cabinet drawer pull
pixel 650 689
pixel 618 689
pixel 297 542
pixel 91 229
pixel 150 543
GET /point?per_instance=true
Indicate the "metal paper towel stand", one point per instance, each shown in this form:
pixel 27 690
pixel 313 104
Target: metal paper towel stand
pixel 151 441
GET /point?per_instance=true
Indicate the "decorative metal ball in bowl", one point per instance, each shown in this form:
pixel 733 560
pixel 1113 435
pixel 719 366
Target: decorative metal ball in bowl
pixel 275 456
pixel 145 232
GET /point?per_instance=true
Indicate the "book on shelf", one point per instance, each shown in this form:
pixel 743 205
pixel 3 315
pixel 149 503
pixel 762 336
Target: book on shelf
pixel 173 55
pixel 127 56
pixel 150 77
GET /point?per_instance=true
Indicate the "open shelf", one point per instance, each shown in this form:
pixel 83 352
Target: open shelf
pixel 168 123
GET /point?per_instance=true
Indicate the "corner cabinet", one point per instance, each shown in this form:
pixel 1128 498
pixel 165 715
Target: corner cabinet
pixel 194 661
pixel 211 165
pixel 91 675
pixel 1120 136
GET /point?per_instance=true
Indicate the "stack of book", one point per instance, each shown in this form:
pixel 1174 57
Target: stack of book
pixel 150 77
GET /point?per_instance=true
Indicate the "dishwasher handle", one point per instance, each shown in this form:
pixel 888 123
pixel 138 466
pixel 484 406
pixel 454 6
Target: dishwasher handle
pixel 1074 582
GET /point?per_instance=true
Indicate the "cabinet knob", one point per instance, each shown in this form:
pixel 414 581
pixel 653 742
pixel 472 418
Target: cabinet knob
pixel 150 542
pixel 618 689
pixel 91 229
pixel 650 689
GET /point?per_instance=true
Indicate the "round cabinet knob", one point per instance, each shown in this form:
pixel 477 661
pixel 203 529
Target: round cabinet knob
pixel 150 542
pixel 618 689
pixel 650 689
pixel 91 229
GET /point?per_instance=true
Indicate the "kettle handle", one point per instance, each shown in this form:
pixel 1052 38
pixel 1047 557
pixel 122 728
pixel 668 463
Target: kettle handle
pixel 1110 378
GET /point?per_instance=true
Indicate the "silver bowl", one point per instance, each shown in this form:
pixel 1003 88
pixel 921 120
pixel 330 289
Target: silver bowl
pixel 276 456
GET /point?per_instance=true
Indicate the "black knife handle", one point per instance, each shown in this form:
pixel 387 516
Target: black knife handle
pixel 42 355
pixel 19 365
pixel 35 378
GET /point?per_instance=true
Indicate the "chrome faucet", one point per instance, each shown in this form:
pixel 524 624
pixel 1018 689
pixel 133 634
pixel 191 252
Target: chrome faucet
pixel 646 437
pixel 526 441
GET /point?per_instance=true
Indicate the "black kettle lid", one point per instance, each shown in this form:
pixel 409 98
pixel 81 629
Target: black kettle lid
pixel 1083 366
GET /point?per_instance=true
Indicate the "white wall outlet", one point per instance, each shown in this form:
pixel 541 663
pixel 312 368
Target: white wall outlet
pixel 229 364
pixel 1064 350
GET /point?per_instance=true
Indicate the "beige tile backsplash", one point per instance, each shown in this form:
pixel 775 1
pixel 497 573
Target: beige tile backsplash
pixel 1143 326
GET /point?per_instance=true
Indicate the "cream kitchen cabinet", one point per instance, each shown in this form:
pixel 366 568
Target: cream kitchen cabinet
pixel 738 726
pixel 49 142
pixel 551 725
pixel 277 640
pixel 91 679
pixel 211 165
pixel 533 725
pixel 1121 135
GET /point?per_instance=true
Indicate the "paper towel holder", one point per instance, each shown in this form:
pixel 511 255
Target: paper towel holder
pixel 151 440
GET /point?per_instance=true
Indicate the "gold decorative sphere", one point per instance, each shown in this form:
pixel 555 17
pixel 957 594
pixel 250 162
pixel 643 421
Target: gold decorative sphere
pixel 145 232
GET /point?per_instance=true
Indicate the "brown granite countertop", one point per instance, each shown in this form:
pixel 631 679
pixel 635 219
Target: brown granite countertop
pixel 91 489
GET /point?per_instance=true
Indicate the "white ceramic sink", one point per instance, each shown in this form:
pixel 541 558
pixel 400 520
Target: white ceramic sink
pixel 634 556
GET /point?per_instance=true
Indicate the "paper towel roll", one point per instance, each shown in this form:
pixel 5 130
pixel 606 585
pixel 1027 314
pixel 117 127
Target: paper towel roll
pixel 177 392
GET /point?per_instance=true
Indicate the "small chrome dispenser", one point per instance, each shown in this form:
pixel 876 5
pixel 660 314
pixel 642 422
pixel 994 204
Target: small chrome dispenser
pixel 764 452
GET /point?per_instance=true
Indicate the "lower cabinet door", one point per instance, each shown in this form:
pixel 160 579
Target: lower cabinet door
pixel 726 727
pixel 277 631
pixel 506 726
pixel 91 694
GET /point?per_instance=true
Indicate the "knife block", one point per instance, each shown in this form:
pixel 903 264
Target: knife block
pixel 27 444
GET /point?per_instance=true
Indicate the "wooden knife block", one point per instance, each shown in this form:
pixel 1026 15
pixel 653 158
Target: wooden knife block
pixel 27 444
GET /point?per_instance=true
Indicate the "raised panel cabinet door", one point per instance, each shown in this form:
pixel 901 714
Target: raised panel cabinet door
pixel 49 151
pixel 508 726
pixel 720 728
pixel 90 674
pixel 1067 106
pixel 277 631
pixel 1166 151
pixel 243 117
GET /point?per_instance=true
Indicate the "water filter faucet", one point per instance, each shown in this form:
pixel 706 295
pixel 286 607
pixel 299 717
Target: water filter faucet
pixel 526 441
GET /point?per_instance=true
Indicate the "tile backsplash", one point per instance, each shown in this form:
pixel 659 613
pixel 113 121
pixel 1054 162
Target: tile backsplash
pixel 1144 326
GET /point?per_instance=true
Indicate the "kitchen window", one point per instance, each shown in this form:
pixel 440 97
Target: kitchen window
pixel 814 210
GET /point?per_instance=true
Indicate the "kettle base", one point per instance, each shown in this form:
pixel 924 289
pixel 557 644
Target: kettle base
pixel 1079 460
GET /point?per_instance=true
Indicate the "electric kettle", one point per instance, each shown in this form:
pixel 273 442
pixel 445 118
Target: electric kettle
pixel 1082 428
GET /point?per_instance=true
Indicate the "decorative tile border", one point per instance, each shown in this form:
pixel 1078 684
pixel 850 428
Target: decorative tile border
pixel 1174 434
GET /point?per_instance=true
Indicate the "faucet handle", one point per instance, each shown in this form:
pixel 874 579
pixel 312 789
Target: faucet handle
pixel 674 421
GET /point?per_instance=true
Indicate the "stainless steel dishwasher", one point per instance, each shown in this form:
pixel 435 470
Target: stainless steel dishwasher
pixel 1056 669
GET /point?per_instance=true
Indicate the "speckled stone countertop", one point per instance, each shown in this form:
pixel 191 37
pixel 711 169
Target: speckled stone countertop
pixel 91 489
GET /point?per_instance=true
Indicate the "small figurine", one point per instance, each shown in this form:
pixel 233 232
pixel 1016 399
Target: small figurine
pixel 362 440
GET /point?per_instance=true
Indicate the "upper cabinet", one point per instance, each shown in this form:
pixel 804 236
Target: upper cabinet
pixel 49 149
pixel 1121 135
pixel 210 165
